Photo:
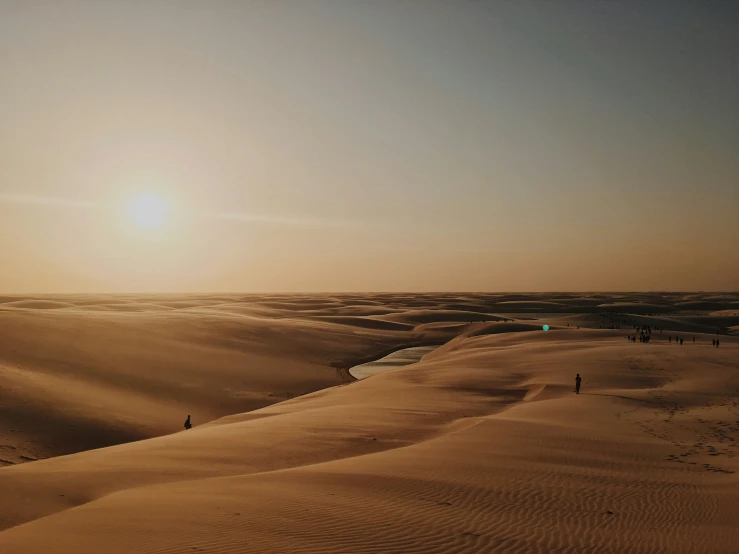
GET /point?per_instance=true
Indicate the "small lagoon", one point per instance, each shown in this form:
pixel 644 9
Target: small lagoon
pixel 399 358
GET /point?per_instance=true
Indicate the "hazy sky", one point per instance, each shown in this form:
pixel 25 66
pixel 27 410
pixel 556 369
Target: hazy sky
pixel 370 145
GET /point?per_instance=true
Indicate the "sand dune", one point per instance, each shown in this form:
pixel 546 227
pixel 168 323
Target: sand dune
pixel 531 306
pixel 481 447
pixel 717 321
pixel 502 327
pixel 36 304
pixel 637 307
pixel 365 322
pixel 78 380
pixel 435 316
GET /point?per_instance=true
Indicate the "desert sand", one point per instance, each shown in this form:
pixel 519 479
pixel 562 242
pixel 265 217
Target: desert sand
pixel 480 447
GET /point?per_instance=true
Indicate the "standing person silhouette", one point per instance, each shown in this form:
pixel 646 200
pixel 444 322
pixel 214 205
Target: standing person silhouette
pixel 188 425
pixel 578 380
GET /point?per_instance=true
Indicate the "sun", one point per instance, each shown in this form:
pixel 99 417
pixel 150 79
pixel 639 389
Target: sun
pixel 147 210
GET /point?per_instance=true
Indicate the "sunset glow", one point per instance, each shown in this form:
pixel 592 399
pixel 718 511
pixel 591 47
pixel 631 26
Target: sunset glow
pixel 147 211
pixel 382 146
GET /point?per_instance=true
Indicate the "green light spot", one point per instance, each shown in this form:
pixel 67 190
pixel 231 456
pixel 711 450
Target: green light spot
pixel 546 327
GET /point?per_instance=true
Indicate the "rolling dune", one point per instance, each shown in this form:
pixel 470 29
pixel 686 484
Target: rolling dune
pixel 480 447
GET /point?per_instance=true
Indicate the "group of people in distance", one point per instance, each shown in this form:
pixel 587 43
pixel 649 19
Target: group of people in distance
pixel 645 334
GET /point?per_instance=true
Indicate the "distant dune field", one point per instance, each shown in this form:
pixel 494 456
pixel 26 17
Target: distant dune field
pixel 480 447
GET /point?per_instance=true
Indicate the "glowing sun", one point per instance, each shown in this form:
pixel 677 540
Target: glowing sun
pixel 147 210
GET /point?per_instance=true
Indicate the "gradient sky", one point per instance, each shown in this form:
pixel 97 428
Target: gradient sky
pixel 370 146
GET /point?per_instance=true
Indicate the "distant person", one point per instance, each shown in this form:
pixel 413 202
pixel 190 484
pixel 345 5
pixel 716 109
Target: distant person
pixel 188 425
pixel 713 342
pixel 717 343
pixel 669 339
pixel 578 380
pixel 681 341
pixel 693 340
